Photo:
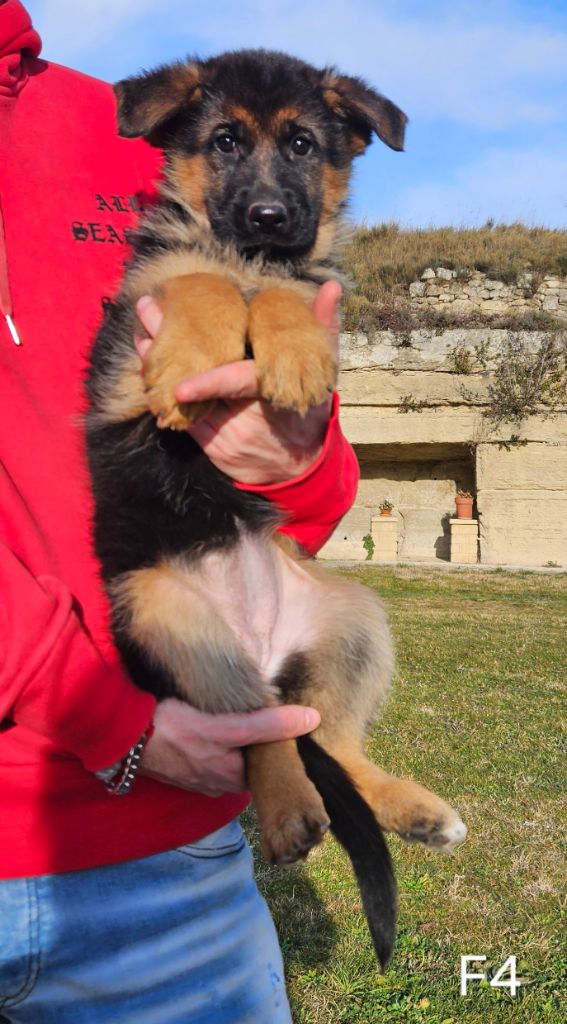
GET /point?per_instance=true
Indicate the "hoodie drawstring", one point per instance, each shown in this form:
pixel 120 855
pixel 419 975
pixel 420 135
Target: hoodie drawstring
pixel 18 42
pixel 6 307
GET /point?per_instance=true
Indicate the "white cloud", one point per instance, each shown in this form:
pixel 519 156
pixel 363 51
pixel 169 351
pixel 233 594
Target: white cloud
pixel 70 30
pixel 529 185
pixel 489 66
pixel 492 76
pixel 478 68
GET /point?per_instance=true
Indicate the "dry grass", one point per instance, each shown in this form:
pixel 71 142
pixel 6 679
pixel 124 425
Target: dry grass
pixel 383 260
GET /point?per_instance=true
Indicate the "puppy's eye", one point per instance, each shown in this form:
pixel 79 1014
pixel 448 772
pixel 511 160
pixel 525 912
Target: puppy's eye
pixel 225 142
pixel 301 145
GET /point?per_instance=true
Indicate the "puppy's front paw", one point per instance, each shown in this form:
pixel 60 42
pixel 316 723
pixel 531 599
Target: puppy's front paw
pixel 295 366
pixel 160 381
pixel 204 325
pixel 296 377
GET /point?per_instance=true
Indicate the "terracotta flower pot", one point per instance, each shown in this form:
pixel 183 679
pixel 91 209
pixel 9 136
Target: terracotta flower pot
pixel 464 507
pixel 385 512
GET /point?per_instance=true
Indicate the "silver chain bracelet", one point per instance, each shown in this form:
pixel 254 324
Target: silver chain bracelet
pixel 120 778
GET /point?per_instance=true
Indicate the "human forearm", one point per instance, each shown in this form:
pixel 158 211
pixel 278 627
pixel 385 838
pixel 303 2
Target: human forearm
pixel 315 502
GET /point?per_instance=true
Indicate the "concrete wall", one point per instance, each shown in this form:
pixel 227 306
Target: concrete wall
pixel 522 502
pixel 420 434
pixel 423 492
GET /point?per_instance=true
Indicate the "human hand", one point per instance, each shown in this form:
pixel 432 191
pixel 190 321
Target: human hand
pixel 243 435
pixel 196 751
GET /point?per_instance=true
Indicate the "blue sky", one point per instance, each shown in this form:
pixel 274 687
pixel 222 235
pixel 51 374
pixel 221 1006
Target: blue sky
pixel 484 86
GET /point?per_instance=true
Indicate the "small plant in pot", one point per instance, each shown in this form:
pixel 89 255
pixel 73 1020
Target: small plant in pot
pixel 386 507
pixel 464 504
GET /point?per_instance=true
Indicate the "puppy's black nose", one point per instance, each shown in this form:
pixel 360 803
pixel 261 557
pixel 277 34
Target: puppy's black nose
pixel 268 216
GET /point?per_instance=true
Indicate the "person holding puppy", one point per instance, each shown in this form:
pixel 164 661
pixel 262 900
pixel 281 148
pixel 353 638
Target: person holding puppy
pixel 141 907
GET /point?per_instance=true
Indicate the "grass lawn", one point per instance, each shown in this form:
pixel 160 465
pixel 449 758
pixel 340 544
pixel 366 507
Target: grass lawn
pixel 475 715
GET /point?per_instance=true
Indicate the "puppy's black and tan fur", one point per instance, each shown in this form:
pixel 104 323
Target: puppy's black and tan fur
pixel 209 603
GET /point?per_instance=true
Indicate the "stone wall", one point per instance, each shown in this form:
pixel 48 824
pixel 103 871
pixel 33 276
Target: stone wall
pixel 445 290
pixel 420 434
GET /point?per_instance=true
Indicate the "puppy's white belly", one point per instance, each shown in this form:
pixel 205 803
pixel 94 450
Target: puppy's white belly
pixel 269 601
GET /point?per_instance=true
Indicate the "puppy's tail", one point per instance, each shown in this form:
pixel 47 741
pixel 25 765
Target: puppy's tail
pixel 356 828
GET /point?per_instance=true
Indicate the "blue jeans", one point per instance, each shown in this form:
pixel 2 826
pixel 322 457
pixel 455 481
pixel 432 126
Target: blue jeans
pixel 180 938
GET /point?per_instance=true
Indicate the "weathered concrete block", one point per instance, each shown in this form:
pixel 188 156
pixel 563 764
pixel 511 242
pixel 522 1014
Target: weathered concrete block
pixel 386 387
pixel 384 531
pixel 431 426
pixel 464 540
pixel 425 349
pixel 537 466
pixel 346 541
pixel 425 533
pixel 437 426
pixel 523 527
pixel 341 551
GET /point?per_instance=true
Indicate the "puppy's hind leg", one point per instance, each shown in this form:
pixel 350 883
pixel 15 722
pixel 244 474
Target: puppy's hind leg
pixel 402 806
pixel 292 815
pixel 348 678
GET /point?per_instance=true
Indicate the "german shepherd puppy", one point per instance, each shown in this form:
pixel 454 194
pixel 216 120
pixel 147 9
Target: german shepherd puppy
pixel 211 604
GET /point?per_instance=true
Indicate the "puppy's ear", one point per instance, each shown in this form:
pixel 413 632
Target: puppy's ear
pixel 364 111
pixel 149 100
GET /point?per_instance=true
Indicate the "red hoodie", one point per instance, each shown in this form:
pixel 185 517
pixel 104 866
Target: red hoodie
pixel 70 190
